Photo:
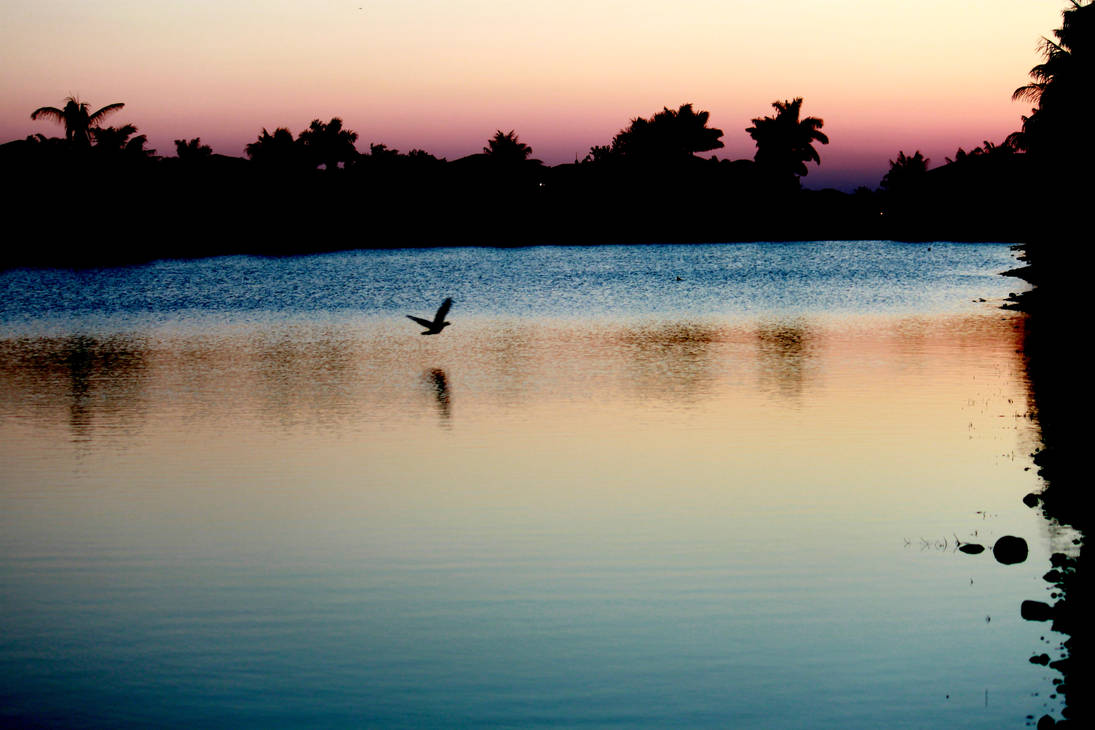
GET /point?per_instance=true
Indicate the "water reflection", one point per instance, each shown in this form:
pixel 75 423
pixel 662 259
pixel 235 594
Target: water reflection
pixel 672 361
pixel 99 380
pixel 786 350
pixel 1064 464
pixel 609 490
pixel 512 360
pixel 302 378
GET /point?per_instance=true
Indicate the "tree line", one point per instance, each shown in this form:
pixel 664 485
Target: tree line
pixel 316 191
pixel 785 143
pixel 655 180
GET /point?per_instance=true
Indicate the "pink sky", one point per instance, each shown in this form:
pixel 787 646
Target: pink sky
pixel 885 75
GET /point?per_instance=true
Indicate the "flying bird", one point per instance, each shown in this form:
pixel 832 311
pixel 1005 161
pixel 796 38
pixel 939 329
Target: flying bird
pixel 438 323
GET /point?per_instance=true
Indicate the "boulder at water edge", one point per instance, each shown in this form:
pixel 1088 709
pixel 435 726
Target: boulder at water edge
pixel 1035 611
pixel 1010 550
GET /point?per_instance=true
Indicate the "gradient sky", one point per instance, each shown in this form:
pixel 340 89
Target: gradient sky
pixel 443 75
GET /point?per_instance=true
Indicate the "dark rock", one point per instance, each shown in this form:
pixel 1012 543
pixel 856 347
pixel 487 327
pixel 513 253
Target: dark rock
pixel 1010 550
pixel 1036 611
pixel 1045 722
pixel 1031 500
pixel 1053 576
pixel 971 548
pixel 1042 659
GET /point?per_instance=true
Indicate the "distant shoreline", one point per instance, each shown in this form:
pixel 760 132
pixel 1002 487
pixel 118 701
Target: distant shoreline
pixel 87 207
pixel 78 260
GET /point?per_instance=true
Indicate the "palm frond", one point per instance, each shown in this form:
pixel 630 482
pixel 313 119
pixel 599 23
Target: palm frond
pixel 48 112
pixel 1016 140
pixel 1030 92
pixel 101 114
pixel 1047 47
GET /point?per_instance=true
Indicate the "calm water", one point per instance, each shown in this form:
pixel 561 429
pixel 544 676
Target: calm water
pixel 245 493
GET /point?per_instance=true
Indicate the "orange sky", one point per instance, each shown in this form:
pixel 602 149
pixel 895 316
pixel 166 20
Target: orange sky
pixel 567 74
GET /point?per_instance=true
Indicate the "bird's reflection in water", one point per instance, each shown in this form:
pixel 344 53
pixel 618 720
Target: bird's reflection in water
pixel 440 384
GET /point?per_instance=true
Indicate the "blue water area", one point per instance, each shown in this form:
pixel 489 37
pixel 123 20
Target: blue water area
pixel 631 486
pixel 600 282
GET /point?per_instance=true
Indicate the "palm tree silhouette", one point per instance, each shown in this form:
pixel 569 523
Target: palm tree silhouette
pixel 328 144
pixel 1060 85
pixel 76 118
pixel 506 147
pixel 192 150
pixel 120 141
pixel 785 143
pixel 986 150
pixel 670 134
pixel 277 151
pixel 906 172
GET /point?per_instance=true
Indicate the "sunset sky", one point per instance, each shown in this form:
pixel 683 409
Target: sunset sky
pixel 443 75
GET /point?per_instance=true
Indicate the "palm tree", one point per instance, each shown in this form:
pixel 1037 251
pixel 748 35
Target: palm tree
pixel 1061 86
pixel 506 147
pixel 1059 56
pixel 671 134
pixel 989 150
pixel 76 118
pixel 193 150
pixel 120 139
pixel 328 144
pixel 276 151
pixel 785 143
pixel 906 172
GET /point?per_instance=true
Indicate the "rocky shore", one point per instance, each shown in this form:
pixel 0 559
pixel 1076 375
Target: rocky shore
pixel 1053 347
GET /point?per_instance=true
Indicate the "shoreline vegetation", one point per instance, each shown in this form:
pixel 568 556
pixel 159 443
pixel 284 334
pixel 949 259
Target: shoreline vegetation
pixel 1058 264
pixel 315 192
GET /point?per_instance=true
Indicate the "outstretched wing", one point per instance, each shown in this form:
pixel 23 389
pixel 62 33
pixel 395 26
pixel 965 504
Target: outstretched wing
pixel 424 322
pixel 442 311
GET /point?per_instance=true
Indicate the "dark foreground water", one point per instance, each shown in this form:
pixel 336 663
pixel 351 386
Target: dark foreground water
pixel 245 492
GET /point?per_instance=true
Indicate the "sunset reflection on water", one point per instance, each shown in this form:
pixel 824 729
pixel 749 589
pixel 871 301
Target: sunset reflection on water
pixel 631 508
pixel 245 491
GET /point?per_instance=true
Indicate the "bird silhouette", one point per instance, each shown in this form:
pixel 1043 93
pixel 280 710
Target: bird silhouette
pixel 438 323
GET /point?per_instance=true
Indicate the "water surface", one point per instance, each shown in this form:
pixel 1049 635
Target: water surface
pixel 244 492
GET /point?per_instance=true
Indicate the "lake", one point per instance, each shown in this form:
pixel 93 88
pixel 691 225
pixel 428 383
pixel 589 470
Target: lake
pixel 630 486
